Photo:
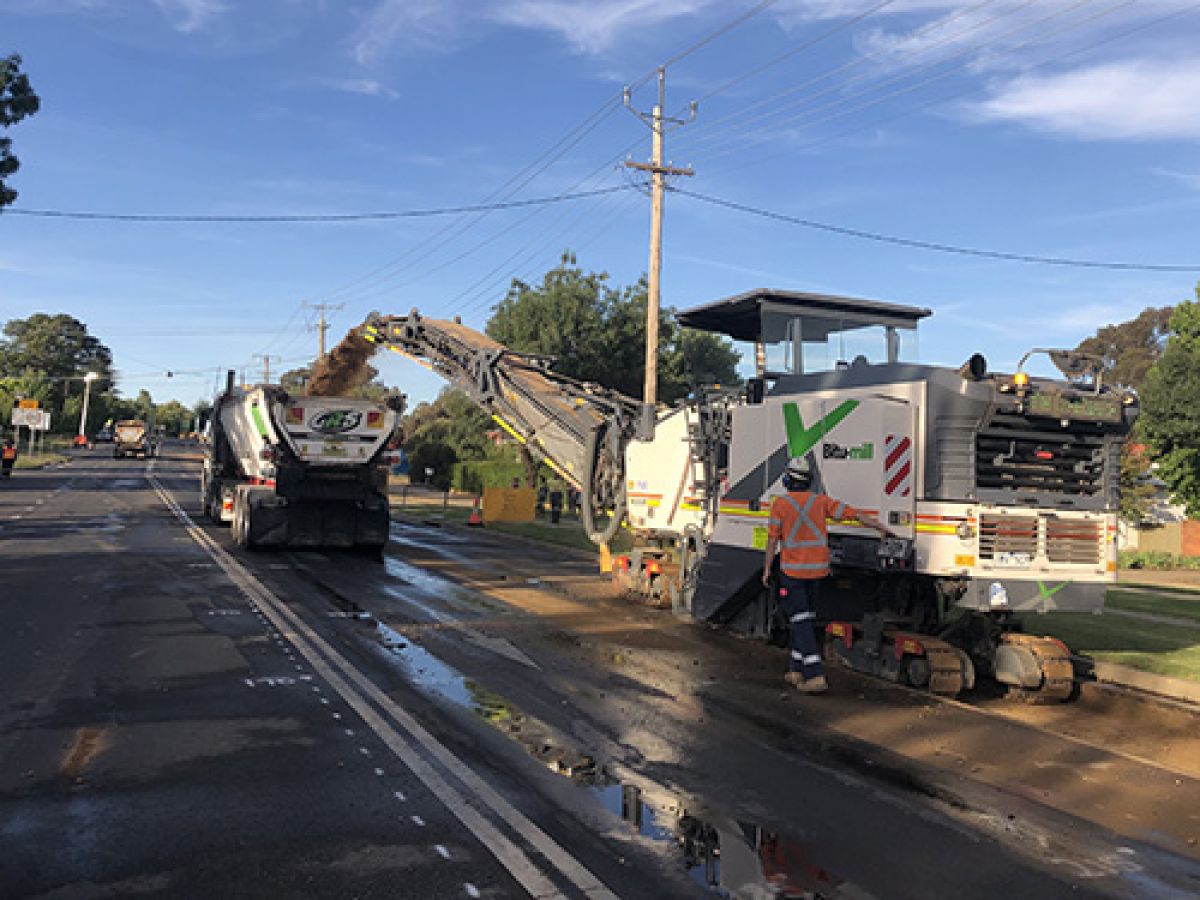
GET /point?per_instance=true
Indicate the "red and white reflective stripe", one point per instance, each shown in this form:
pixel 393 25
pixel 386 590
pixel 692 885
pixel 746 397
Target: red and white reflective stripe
pixel 897 466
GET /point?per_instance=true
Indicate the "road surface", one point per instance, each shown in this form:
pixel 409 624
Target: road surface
pixel 183 719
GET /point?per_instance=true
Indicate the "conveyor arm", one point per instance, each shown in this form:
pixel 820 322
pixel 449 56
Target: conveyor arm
pixel 579 429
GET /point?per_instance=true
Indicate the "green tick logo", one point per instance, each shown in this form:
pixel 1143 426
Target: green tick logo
pixel 800 439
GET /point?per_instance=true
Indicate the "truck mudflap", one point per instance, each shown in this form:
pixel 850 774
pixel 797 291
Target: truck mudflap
pixel 274 522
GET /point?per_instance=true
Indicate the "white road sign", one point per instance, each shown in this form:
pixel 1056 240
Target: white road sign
pixel 30 418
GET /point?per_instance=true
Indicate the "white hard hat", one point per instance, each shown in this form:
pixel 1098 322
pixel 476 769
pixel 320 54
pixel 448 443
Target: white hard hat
pixel 798 467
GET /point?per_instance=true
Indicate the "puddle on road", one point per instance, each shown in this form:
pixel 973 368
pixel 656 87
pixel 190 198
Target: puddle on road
pixel 431 585
pixel 425 670
pixel 731 859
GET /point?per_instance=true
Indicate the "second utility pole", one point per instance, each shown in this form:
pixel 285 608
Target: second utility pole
pixel 658 172
pixel 322 325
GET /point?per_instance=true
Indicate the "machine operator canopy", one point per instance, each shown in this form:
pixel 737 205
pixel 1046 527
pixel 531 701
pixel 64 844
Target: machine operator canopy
pixel 802 332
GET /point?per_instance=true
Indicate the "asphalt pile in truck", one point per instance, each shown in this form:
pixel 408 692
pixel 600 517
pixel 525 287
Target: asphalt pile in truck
pixel 343 368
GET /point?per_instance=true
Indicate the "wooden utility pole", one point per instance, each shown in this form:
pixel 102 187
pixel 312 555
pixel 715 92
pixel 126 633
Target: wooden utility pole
pixel 266 361
pixel 658 179
pixel 322 325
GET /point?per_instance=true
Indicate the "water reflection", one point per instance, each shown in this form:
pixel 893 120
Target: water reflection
pixel 729 858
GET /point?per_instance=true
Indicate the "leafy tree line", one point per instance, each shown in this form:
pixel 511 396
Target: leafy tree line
pixel 1157 354
pixel 595 332
pixel 47 357
pixel 17 101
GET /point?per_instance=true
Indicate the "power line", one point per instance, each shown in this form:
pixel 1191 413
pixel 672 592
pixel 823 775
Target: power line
pixel 309 218
pixel 960 93
pixel 406 260
pixel 762 67
pixel 719 139
pixel 932 245
pixel 720 32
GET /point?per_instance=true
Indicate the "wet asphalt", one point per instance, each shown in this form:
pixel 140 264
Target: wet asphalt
pixel 169 728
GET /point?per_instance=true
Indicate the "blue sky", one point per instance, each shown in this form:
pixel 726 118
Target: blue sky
pixel 1054 128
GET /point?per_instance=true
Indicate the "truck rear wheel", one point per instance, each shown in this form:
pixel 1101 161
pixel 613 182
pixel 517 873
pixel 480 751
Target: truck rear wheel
pixel 242 520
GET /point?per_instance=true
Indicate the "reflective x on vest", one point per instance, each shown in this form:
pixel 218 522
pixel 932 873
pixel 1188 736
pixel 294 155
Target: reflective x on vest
pixel 799 521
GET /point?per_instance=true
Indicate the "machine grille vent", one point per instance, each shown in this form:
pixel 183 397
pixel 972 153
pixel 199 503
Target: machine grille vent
pixel 1020 454
pixel 1007 535
pixel 1072 541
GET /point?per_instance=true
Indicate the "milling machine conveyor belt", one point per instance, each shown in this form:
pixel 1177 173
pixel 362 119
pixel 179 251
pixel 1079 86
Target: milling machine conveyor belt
pixel 556 417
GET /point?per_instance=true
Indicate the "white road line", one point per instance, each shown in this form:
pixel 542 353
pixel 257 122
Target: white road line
pixel 442 851
pixel 340 675
pixel 399 795
pixel 379 772
pixel 471 890
pixel 418 821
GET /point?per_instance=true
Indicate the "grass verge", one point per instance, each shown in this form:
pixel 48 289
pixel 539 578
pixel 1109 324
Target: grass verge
pixel 40 460
pixel 1178 605
pixel 1148 646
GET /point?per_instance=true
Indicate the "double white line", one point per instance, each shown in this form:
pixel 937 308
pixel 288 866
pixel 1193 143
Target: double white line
pixel 379 712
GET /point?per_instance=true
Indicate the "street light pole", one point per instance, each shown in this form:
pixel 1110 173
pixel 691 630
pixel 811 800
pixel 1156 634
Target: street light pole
pixel 87 387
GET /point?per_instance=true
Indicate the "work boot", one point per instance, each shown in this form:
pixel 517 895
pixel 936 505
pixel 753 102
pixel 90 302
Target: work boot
pixel 814 685
pixel 795 679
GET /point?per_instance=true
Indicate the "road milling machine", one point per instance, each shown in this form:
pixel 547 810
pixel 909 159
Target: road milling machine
pixel 1000 490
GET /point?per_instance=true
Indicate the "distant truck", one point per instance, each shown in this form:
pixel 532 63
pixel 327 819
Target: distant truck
pixel 299 471
pixel 131 437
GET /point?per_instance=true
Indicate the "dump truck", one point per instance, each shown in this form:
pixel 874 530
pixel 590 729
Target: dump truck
pixel 299 472
pixel 1000 490
pixel 132 437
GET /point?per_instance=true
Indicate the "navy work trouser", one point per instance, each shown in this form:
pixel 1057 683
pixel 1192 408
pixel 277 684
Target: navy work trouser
pixel 798 600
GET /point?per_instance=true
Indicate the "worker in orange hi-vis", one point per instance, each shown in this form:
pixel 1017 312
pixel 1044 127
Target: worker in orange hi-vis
pixel 8 458
pixel 797 529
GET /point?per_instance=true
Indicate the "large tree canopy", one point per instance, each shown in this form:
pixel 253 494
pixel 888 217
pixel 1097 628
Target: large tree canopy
pixel 17 100
pixel 597 332
pixel 1131 348
pixel 57 346
pixel 1170 417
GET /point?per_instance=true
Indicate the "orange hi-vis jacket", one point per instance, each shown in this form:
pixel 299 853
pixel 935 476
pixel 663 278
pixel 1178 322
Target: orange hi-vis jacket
pixel 798 523
pixel 10 453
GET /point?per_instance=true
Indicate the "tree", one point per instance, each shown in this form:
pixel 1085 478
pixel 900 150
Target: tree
pixel 1130 348
pixel 17 100
pixel 1170 417
pixel 57 346
pixel 597 332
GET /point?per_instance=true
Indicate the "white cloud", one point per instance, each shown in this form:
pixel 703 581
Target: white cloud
pixel 588 26
pixel 1130 100
pixel 190 15
pixel 368 87
pixel 424 24
pixel 1191 179
pixel 594 26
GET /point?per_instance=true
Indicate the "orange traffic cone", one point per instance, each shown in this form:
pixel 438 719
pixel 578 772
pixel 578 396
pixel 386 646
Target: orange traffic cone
pixel 476 518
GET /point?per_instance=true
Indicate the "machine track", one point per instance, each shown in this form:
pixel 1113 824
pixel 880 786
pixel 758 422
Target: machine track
pixel 1058 674
pixel 947 670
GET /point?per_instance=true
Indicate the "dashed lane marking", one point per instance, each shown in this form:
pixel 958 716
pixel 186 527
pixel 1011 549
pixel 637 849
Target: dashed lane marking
pixel 442 851
pixel 471 890
pixel 376 708
pixel 399 795
pixel 418 821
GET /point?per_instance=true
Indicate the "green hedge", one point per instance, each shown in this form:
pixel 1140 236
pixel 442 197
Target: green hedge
pixel 1156 559
pixel 475 475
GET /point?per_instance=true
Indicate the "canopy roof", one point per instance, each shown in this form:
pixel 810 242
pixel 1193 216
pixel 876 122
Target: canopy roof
pixel 740 317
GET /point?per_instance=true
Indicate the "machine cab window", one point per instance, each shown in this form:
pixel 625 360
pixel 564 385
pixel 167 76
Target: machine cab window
pixel 798 333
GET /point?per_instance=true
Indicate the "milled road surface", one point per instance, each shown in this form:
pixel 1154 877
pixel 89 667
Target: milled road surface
pixel 181 719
